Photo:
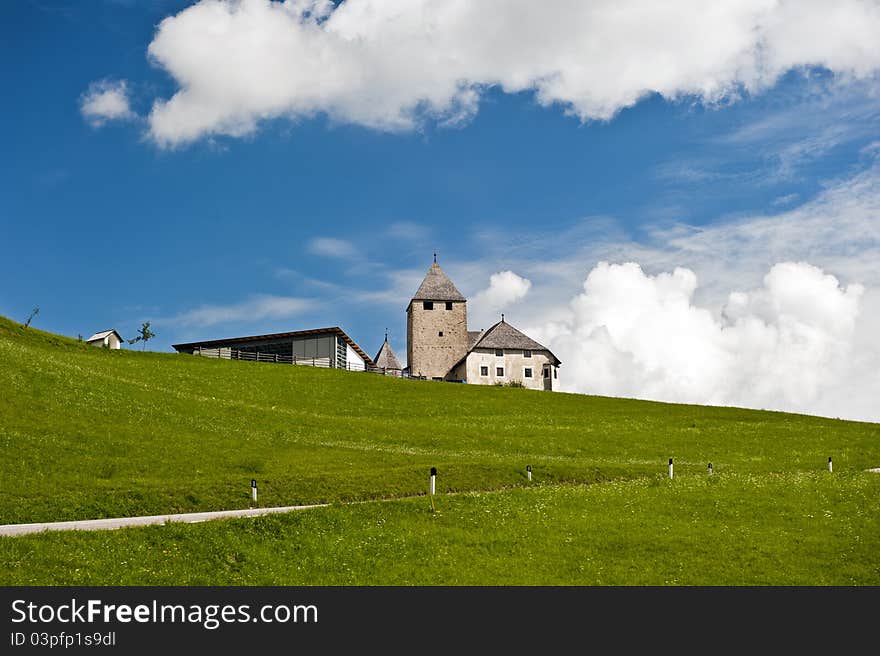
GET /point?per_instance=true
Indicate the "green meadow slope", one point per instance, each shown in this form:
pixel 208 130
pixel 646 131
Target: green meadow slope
pixel 89 433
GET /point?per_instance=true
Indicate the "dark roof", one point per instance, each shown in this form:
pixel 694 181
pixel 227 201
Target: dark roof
pixel 437 287
pixel 504 336
pixel 386 359
pixel 473 336
pixel 215 343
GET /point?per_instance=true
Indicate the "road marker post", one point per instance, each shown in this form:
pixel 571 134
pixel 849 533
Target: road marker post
pixel 529 472
pixel 830 467
pixel 670 468
pixel 710 469
pixel 254 489
pixel 433 487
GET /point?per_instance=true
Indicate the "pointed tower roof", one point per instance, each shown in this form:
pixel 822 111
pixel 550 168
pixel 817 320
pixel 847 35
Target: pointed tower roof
pixel 437 287
pixel 386 358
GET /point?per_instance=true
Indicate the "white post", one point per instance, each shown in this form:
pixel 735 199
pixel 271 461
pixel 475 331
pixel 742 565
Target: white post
pixel 829 464
pixel 670 468
pixel 254 489
pixel 710 469
pixel 529 471
pixel 433 480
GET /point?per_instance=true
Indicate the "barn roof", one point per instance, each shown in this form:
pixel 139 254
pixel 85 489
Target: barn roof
pixel 101 335
pixel 437 287
pixel 386 358
pixel 216 343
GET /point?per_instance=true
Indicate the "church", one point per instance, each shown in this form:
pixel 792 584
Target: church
pixel 439 345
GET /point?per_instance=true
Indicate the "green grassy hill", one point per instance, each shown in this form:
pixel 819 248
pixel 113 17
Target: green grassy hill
pixel 89 433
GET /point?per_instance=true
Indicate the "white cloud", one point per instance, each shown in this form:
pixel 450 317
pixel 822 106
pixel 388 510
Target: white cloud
pixel 505 289
pixel 781 346
pixel 390 64
pixel 839 230
pixel 259 307
pixel 838 374
pixel 106 100
pixel 332 247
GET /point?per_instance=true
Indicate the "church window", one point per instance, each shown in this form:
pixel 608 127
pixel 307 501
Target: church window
pixel 555 373
pixel 448 305
pixel 527 372
pixel 527 354
pixel 499 353
pixel 546 372
pixel 484 370
pixel 499 371
pixel 428 305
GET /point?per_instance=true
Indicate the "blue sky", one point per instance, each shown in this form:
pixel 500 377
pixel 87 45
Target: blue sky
pixel 327 210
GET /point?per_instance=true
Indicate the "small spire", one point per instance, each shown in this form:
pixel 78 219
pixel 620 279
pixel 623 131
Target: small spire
pixel 386 334
pixel 435 257
pixel 502 317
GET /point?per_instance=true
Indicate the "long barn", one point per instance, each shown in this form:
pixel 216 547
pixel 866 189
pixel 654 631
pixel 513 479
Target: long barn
pixel 327 347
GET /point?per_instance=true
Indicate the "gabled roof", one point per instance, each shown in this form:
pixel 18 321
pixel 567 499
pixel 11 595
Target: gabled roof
pixel 101 335
pixel 504 336
pixel 385 358
pixel 437 287
pixel 216 343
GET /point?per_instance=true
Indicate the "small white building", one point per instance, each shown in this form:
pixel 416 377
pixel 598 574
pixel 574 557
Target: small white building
pixel 107 338
pixel 504 355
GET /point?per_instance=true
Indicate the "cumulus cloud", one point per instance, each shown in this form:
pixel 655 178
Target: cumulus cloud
pixel 781 346
pixel 505 288
pixel 390 64
pixel 106 100
pixel 259 307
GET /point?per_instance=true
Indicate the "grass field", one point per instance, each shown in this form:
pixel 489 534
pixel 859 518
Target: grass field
pixel 90 433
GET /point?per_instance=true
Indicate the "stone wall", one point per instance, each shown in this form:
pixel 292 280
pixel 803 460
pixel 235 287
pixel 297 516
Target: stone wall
pixel 428 353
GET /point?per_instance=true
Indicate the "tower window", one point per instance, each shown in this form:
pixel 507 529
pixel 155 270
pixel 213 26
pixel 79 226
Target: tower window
pixel 499 371
pixel 448 305
pixel 428 305
pixel 440 334
pixel 555 373
pixel 527 354
pixel 499 353
pixel 546 372
pixel 527 372
pixel 484 370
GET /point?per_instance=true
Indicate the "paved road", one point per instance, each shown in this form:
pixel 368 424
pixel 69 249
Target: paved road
pixel 123 522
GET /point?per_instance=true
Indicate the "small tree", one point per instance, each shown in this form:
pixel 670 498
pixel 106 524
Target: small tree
pixel 144 335
pixel 33 313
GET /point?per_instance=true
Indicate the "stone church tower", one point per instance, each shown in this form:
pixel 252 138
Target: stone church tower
pixel 436 326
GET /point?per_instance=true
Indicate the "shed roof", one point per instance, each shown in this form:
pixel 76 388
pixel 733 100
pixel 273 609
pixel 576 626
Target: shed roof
pixel 104 333
pixel 216 343
pixel 386 358
pixel 437 287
